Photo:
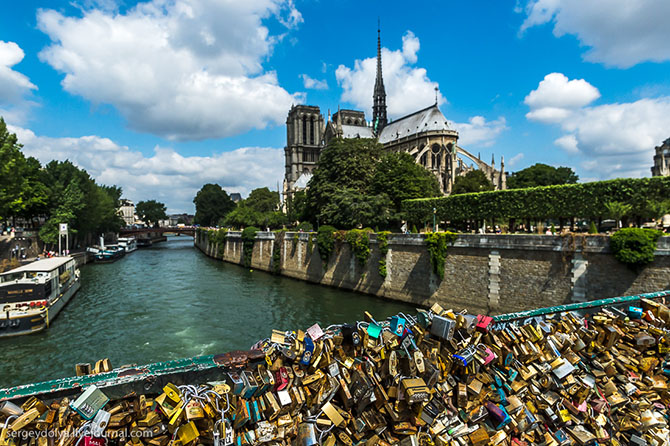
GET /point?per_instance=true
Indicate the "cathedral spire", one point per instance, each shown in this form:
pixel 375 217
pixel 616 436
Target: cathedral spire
pixel 379 96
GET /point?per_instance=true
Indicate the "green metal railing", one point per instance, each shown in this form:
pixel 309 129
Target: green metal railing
pixel 153 376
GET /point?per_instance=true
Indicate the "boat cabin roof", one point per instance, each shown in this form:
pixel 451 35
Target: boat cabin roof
pixel 41 265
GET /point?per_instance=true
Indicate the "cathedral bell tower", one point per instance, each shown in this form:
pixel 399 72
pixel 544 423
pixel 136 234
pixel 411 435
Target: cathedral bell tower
pixel 379 97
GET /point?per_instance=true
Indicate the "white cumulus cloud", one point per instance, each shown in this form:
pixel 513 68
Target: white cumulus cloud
pixel 612 140
pixel 619 33
pixel 479 132
pixel 408 88
pixel 313 84
pixel 515 159
pixel 183 70
pixel 15 87
pixel 166 175
pixel 556 97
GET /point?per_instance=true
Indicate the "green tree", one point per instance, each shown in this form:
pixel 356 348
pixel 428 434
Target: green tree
pixel 76 199
pixel 541 175
pixel 212 203
pixel 263 200
pixel 151 211
pixel 343 164
pixel 473 181
pixel 618 210
pixel 241 217
pixel 22 193
pixel 399 177
pixel 71 204
pixel 296 206
pixel 349 208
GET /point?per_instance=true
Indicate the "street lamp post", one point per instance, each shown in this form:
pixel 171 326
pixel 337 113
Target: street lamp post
pixel 434 214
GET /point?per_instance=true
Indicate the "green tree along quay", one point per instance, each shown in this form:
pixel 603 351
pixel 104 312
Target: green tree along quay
pixel 74 198
pixel 22 193
pixel 212 203
pixel 618 210
pixel 356 184
pixel 473 181
pixel 259 209
pixel 399 177
pixel 151 211
pixel 541 175
pixel 296 206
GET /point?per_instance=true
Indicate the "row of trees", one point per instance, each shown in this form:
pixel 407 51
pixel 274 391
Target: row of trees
pixel 356 184
pixel 58 192
pixel 533 176
pixel 214 207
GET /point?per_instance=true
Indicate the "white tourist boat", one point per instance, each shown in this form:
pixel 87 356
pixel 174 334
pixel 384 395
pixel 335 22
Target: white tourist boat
pixel 32 295
pixel 129 244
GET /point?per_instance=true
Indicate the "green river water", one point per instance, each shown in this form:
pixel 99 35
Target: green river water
pixel 171 301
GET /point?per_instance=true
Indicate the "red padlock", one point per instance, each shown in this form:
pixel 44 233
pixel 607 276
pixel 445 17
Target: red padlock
pixel 281 378
pixel 483 323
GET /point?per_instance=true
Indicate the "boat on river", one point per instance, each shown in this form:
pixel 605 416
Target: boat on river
pixel 32 295
pixel 109 254
pixel 129 244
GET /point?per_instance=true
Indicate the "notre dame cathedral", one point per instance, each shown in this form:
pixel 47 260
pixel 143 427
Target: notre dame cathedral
pixel 424 134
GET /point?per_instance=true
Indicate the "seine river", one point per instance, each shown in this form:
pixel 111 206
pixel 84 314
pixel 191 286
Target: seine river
pixel 171 301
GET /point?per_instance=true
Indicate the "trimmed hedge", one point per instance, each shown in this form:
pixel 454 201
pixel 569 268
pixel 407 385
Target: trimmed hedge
pixel 564 201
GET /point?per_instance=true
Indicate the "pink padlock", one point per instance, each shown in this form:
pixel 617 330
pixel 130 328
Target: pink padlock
pixel 486 353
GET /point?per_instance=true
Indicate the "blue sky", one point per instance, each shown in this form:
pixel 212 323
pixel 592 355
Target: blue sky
pixel 163 96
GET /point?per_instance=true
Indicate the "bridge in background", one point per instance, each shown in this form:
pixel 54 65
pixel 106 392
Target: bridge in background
pixel 149 232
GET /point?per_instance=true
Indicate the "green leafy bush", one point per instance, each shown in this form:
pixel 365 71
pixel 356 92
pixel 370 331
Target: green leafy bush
pixel 305 226
pixel 382 239
pixel 310 243
pixel 359 241
pixel 438 243
pixel 634 246
pixel 593 229
pixel 276 250
pixel 545 202
pixel 248 239
pixel 325 240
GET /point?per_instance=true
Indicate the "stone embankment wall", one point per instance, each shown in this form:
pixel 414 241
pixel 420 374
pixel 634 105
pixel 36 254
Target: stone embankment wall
pixel 483 273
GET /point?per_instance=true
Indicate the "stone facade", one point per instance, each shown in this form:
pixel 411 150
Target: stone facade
pixel 661 167
pixel 483 273
pixel 425 134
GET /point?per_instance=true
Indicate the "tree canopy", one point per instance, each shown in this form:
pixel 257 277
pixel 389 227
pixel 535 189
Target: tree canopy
pixel 151 211
pixel 473 181
pixel 212 203
pixel 401 178
pixel 22 191
pixel 261 208
pixel 356 184
pixel 75 198
pixel 541 175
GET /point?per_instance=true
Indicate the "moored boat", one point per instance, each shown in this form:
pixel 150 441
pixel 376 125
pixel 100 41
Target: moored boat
pixel 110 253
pixel 129 244
pixel 32 295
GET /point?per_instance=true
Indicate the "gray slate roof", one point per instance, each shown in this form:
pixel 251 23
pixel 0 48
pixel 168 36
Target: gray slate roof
pixel 356 131
pixel 428 119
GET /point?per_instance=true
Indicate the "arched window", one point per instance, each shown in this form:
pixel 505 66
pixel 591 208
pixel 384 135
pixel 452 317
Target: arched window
pixel 304 129
pixel 424 159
